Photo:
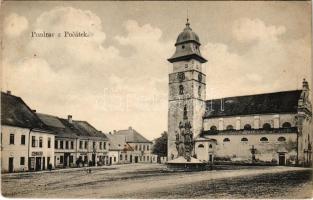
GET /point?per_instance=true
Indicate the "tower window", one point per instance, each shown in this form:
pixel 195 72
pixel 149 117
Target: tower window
pixel 181 89
pixel 181 75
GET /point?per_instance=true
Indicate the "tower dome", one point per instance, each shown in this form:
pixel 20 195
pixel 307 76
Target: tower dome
pixel 187 46
pixel 187 35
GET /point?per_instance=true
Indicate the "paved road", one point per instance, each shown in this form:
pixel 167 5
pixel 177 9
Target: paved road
pixel 154 181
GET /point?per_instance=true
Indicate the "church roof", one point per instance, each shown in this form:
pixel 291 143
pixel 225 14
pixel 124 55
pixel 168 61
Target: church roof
pixel 278 102
pixel 132 136
pixel 15 112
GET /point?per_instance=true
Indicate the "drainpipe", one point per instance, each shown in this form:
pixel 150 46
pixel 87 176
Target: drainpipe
pixel 30 130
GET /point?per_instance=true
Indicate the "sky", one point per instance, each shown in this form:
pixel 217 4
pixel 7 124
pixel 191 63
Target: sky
pixel 118 77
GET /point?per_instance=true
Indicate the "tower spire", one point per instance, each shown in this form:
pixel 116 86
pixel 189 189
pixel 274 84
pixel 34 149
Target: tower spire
pixel 187 23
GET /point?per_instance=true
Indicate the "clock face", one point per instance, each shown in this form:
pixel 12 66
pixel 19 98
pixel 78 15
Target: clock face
pixel 181 76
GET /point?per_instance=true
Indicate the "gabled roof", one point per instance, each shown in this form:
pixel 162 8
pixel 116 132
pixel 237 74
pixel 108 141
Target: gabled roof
pixel 132 136
pixel 278 102
pixel 56 124
pixel 15 112
pixel 118 142
pixel 76 129
pixel 86 129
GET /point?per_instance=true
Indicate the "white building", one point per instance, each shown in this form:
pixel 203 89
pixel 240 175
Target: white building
pixel 26 143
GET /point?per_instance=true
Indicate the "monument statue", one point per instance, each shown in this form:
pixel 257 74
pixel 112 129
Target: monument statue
pixel 184 140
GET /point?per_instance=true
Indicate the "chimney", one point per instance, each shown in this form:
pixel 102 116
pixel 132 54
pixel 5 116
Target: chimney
pixel 9 92
pixel 114 131
pixel 110 133
pixel 130 128
pixel 305 84
pixel 69 118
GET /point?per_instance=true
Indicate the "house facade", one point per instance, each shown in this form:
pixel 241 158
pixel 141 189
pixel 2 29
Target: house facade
pixel 129 146
pixel 272 127
pixel 26 143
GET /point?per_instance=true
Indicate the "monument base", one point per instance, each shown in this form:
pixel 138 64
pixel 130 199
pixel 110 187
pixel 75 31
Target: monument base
pixel 181 164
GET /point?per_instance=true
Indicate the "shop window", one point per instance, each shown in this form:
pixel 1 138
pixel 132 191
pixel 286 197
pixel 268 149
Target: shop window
pixel 264 139
pixel 247 127
pixel 267 126
pixel 11 138
pixel 200 146
pixel 23 139
pixel 226 140
pixel 286 125
pixel 281 139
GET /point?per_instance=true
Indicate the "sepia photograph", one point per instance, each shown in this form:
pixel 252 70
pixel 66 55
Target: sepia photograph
pixel 156 99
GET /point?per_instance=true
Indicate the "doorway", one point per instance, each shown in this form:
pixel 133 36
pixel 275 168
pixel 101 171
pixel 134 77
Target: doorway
pixel 43 163
pixel 136 159
pixel 11 165
pixel 93 159
pixel 282 159
pixel 38 163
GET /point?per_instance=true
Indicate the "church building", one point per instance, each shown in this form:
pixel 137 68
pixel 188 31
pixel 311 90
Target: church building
pixel 272 128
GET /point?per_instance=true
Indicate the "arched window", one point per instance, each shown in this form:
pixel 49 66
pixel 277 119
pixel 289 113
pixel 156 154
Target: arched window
pixel 264 139
pixel 286 125
pixel 229 127
pixel 226 140
pixel 281 139
pixel 199 91
pixel 210 146
pixel 247 127
pixel 181 89
pixel 200 146
pixel 244 139
pixel 213 128
pixel 266 126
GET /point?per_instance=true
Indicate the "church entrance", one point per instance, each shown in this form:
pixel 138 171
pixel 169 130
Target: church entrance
pixel 281 159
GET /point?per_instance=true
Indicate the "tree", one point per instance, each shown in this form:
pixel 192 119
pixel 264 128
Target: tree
pixel 160 146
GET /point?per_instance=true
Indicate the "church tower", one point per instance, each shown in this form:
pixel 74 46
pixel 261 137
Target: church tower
pixel 187 88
